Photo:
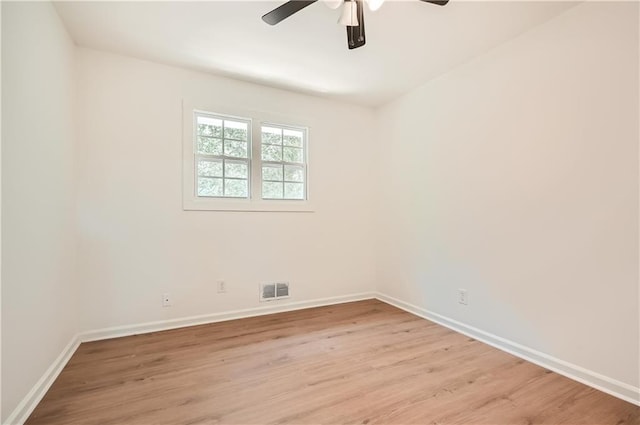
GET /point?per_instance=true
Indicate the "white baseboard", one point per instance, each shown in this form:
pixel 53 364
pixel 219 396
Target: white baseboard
pixel 21 413
pixel 577 373
pixel 270 308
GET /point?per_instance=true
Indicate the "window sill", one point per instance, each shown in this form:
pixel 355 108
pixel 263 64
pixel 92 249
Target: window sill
pixel 197 204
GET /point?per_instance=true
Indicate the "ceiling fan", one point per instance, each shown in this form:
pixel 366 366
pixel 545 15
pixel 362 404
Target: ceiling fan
pixel 352 15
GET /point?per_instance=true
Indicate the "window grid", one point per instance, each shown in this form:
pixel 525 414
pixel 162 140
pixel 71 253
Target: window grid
pixel 223 159
pixel 284 183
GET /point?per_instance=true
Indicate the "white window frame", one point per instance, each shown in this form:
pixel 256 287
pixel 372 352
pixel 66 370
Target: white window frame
pixel 192 202
pixel 284 163
pixel 222 158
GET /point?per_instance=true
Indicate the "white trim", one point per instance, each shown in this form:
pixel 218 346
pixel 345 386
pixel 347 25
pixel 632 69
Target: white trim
pixel 577 373
pixel 230 204
pixel 163 325
pixel 21 413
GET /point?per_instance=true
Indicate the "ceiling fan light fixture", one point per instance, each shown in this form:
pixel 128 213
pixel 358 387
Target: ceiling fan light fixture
pixel 374 4
pixel 349 16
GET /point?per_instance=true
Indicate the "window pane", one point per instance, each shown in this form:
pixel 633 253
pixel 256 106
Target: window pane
pixel 292 138
pixel 293 173
pixel 271 190
pixel 292 155
pixel 235 169
pixel 209 187
pixel 235 130
pixel 210 146
pixel 271 153
pixel 294 190
pixel 210 168
pixel 272 135
pixel 209 127
pixel 235 149
pixel 272 172
pixel 236 188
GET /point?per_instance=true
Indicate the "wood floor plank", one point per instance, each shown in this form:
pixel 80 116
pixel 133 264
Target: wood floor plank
pixel 363 362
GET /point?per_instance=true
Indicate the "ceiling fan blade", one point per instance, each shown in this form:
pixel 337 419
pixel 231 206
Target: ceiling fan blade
pixel 284 11
pixel 438 2
pixel 355 35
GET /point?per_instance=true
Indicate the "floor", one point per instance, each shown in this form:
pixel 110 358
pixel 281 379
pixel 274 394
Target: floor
pixel 364 362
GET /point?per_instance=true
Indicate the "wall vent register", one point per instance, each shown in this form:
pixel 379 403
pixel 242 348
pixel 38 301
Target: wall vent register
pixel 274 291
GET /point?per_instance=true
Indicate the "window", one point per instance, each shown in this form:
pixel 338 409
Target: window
pixel 249 161
pixel 222 156
pixel 283 162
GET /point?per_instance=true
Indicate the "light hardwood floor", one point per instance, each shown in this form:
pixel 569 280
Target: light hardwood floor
pixel 363 362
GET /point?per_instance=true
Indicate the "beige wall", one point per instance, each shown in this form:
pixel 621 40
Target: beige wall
pixel 136 242
pixel 515 177
pixel 38 184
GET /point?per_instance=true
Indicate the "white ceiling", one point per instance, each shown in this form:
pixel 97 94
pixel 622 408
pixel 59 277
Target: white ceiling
pixel 408 42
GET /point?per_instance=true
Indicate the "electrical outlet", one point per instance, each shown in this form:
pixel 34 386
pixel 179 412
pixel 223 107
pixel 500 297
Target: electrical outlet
pixel 462 297
pixel 222 286
pixel 167 301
